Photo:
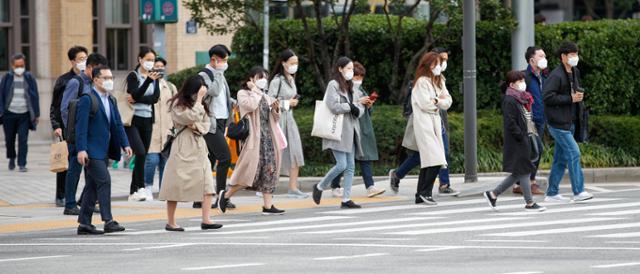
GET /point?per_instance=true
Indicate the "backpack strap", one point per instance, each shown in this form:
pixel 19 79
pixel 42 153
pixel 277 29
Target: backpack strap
pixel 209 73
pixel 80 85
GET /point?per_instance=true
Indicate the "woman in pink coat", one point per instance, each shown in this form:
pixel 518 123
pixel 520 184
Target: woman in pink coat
pixel 258 166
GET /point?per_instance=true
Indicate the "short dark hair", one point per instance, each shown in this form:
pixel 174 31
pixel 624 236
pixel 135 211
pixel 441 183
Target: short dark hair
pixel 97 59
pixel 439 50
pixel 97 70
pixel 531 51
pixel 358 69
pixel 160 59
pixel 514 76
pixel 73 51
pixel 18 56
pixel 219 50
pixel 567 47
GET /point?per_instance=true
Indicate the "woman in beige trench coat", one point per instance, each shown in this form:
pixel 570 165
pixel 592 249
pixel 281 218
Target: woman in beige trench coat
pixel 258 166
pixel 187 175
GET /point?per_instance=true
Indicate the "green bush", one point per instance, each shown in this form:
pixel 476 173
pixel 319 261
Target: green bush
pixel 609 56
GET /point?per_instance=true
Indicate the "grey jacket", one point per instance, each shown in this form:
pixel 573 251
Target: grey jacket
pixel 338 103
pixel 214 90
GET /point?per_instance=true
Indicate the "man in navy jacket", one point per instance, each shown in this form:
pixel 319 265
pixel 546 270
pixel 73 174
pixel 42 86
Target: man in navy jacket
pixel 19 110
pixel 99 137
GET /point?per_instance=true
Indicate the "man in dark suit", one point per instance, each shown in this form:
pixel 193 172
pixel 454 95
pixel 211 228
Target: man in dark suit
pixel 99 136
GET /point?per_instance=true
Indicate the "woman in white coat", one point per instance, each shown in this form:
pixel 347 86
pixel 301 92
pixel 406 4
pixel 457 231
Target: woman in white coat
pixel 429 96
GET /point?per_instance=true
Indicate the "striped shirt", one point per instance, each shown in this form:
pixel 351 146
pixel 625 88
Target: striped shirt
pixel 19 100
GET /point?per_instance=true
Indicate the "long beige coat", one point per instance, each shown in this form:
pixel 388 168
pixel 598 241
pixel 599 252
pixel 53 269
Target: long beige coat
pixel 163 122
pixel 187 175
pixel 247 164
pixel 427 123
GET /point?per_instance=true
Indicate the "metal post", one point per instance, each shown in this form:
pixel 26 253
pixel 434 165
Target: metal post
pixel 469 74
pixel 524 34
pixel 265 49
pixel 159 39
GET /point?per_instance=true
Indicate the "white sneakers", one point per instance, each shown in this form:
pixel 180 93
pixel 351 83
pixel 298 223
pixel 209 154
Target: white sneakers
pixel 583 196
pixel 138 196
pixel 337 192
pixel 148 191
pixel 372 191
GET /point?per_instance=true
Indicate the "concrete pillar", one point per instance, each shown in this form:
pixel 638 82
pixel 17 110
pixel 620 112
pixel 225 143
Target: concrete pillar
pixel 524 34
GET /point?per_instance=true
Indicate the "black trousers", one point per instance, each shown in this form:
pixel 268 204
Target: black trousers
pixel 16 124
pixel 139 135
pixel 61 178
pixel 97 188
pixel 219 151
pixel 425 181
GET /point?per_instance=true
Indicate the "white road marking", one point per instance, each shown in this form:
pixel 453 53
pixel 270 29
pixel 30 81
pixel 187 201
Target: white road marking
pixel 615 265
pixel 350 257
pixel 374 239
pixel 500 208
pixel 499 226
pixel 571 209
pixel 564 230
pixel 221 266
pixel 618 235
pixel 509 241
pixel 405 207
pixel 526 272
pixel 318 226
pixel 616 213
pixel 623 242
pixel 437 249
pixel 33 258
pixel 598 189
pixel 422 224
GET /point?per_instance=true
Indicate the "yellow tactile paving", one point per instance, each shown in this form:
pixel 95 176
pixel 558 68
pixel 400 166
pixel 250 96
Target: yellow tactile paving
pixel 159 213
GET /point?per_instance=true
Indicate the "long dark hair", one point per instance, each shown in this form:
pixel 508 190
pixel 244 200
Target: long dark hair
pixel 257 70
pixel 186 96
pixel 424 69
pixel 278 69
pixel 144 50
pixel 345 85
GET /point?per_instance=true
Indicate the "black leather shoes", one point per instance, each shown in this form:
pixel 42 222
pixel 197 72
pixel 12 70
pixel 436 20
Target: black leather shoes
pixel 222 202
pixel 113 226
pixel 174 229
pixel 71 211
pixel 197 205
pixel 317 194
pixel 210 226
pixel 89 230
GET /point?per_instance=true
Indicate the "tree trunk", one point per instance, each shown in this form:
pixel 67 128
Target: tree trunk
pixel 317 72
pixel 608 4
pixel 324 50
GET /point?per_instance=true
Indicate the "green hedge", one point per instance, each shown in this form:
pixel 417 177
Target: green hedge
pixel 610 52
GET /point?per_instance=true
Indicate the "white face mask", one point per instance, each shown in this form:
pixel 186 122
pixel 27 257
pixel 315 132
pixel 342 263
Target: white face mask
pixel 542 63
pixel 224 67
pixel 522 86
pixel 147 65
pixel 19 71
pixel 292 69
pixel 437 70
pixel 444 66
pixel 261 83
pixel 81 66
pixel 357 84
pixel 348 75
pixel 573 61
pixel 107 85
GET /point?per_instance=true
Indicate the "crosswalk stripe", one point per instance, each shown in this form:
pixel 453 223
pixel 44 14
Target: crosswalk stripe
pixel 499 226
pixel 500 207
pixel 266 223
pixel 423 224
pixel 316 226
pixel 618 235
pixel 572 209
pixel 615 265
pixel 405 207
pixel 565 230
pixel 617 213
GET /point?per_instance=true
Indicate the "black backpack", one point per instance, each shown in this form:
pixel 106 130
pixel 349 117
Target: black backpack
pixel 209 73
pixel 73 105
pixel 407 109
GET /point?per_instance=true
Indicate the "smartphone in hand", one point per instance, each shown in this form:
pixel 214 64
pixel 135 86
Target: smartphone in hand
pixel 373 96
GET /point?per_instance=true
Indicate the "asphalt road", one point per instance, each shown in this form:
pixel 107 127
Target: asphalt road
pixel 460 235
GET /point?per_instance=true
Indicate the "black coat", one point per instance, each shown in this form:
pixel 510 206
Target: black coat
pixel 516 156
pixel 58 90
pixel 558 105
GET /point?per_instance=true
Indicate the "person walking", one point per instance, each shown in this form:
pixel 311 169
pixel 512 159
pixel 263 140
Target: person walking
pixel 143 90
pixel 367 136
pixel 340 99
pixel 283 88
pixel 19 110
pixel 429 96
pixel 517 154
pixel 258 166
pixel 187 175
pixel 161 130
pixel 564 107
pixel 98 136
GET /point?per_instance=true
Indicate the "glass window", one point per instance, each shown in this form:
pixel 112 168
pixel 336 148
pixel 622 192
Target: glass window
pixel 117 12
pixel 4 49
pixel 24 7
pixel 24 30
pixel 25 51
pixel 5 15
pixel 118 48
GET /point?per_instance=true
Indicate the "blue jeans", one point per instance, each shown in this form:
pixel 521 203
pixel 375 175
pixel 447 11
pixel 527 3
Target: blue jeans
pixel 444 172
pixel 367 175
pixel 566 155
pixel 153 160
pixel 73 177
pixel 412 161
pixel 16 124
pixel 97 188
pixel 345 164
